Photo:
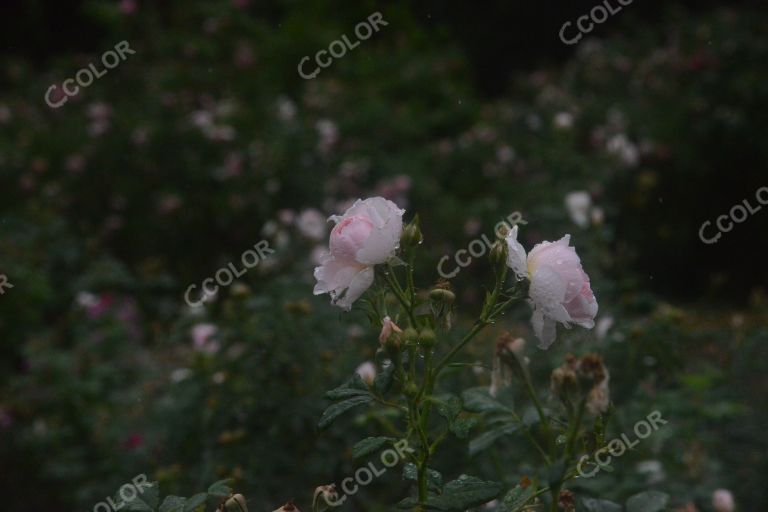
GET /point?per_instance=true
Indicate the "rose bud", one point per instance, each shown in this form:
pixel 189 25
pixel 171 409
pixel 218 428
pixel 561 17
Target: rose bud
pixel 390 333
pixel 411 336
pixel 412 236
pixel 427 338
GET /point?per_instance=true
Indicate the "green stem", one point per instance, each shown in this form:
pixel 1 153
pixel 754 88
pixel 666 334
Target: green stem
pixel 400 295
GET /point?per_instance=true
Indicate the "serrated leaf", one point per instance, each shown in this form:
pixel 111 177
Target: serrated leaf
pixel 489 437
pixel 463 493
pixel 462 425
pixel 369 445
pixel 595 505
pixel 648 501
pixel 434 478
pixel 339 408
pixel 220 489
pixel 516 498
pixel 195 501
pixel 480 400
pixel 448 406
pixel 173 504
pixel 146 500
pixel 353 387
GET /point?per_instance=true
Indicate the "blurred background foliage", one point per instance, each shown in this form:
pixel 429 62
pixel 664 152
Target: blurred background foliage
pixel 207 140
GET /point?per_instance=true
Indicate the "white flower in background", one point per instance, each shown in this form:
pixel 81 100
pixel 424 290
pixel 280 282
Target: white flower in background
pixel 578 204
pixel 653 470
pixel 560 291
pixel 180 374
pixel 563 120
pixel 311 224
pixel 329 134
pixel 621 147
pixel 722 501
pixel 286 109
pixel 604 324
pixel 367 372
pixel 367 234
pixel 203 338
pixel 505 154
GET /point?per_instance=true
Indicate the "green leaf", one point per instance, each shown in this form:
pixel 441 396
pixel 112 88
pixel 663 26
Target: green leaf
pixel 448 406
pixel 595 505
pixel 383 381
pixel 489 437
pixel 516 498
pixel 195 501
pixel 480 400
pixel 220 489
pixel 434 478
pixel 353 387
pixel 173 504
pixel 146 500
pixel 649 501
pixel 369 445
pixel 463 493
pixel 462 425
pixel 339 408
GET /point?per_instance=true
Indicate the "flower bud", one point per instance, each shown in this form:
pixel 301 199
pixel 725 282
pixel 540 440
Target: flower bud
pixel 236 503
pixel 564 384
pixel 442 295
pixel 411 236
pixel 411 389
pixel 411 336
pixel 498 254
pixel 326 497
pixel 390 334
pixel 427 338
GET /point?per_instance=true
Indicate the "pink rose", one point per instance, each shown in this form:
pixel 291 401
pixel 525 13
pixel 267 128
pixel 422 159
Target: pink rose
pixel 367 234
pixel 559 291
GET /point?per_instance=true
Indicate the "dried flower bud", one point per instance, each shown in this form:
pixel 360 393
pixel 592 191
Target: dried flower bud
pixel 599 399
pixel 498 254
pixel 288 507
pixel 567 501
pixel 236 503
pixel 592 370
pixel 564 383
pixel 325 497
